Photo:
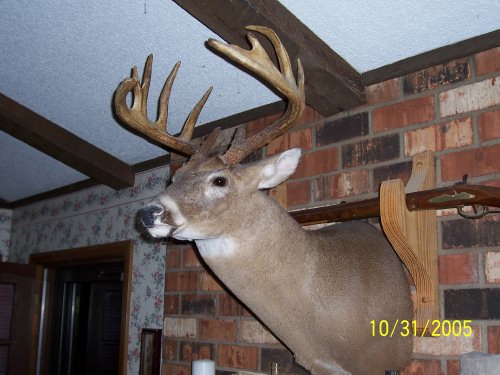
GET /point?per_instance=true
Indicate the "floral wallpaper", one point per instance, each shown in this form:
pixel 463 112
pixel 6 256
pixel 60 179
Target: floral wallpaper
pixel 96 216
pixel 5 225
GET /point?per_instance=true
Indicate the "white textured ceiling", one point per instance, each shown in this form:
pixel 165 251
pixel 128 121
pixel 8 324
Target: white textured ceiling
pixel 64 59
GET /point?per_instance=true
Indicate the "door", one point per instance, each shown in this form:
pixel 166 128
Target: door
pixel 88 307
pixel 18 318
pixel 83 279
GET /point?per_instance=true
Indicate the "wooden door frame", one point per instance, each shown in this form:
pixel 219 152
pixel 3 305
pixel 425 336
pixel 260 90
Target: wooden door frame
pixel 118 251
pixel 18 273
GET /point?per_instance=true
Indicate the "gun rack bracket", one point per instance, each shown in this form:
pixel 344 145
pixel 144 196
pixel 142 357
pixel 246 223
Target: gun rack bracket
pixel 413 235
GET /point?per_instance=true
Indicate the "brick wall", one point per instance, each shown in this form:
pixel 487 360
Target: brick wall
pixel 453 109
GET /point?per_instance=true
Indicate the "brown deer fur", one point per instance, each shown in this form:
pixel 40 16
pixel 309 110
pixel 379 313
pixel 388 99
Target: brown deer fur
pixel 317 291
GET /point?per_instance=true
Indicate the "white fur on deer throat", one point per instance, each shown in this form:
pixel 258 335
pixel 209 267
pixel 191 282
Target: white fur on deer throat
pixel 216 247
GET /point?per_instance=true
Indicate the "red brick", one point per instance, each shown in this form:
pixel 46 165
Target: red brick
pixel 173 369
pixel 370 151
pixel 342 129
pixel 251 331
pixel 440 75
pixel 472 303
pixel 198 304
pixel 298 193
pixel 489 125
pixel 192 351
pixel 448 345
pixel 170 349
pixel 310 115
pixel 383 92
pixel 494 339
pixel 208 283
pixel 453 366
pixel 221 330
pixel 492 267
pixel 453 134
pixel 228 306
pixel 488 61
pixel 255 126
pixel 241 357
pixel 470 98
pixel 476 162
pixel 190 258
pixel 403 114
pixel 171 306
pixel 391 172
pixel 465 233
pixel 423 367
pixel 173 257
pixel 181 281
pixel 341 185
pixel 301 138
pixel 458 269
pixel 179 327
pixel 317 163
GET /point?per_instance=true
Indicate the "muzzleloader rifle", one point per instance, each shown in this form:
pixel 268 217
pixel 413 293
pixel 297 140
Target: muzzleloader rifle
pixel 481 198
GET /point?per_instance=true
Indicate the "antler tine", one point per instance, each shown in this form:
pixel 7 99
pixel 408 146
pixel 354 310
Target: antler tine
pixel 188 128
pixel 257 61
pixel 136 116
pixel 165 96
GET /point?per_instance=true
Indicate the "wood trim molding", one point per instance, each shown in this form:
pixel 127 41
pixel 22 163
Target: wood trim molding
pixel 77 186
pixel 431 58
pixel 200 131
pixel 55 141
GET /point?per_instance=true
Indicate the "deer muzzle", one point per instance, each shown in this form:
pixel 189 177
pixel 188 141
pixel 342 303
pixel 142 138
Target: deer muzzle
pixel 149 214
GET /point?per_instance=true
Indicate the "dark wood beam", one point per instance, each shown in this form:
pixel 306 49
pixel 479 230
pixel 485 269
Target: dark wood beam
pixel 160 161
pixel 4 203
pixel 332 85
pixel 49 138
pixel 431 58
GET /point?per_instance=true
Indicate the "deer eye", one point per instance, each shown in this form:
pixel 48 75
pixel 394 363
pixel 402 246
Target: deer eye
pixel 219 181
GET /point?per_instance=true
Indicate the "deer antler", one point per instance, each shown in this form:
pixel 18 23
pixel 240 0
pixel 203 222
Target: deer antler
pixel 257 61
pixel 137 115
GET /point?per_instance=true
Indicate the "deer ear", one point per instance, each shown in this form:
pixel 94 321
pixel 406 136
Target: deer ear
pixel 277 169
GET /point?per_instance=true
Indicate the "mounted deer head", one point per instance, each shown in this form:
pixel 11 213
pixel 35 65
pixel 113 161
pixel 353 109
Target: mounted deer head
pixel 317 291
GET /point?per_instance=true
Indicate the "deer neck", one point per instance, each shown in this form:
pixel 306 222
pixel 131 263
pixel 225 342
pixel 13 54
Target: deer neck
pixel 255 241
pixel 255 260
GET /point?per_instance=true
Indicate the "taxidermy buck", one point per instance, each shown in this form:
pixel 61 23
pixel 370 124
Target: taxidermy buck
pixel 317 291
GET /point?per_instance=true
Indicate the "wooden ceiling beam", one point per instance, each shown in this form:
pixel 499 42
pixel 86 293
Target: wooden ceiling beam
pixel 332 85
pixel 49 138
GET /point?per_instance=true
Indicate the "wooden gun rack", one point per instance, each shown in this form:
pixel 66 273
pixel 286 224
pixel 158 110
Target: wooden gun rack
pixel 414 236
pixel 409 222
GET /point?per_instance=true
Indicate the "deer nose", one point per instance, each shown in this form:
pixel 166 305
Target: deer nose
pixel 149 214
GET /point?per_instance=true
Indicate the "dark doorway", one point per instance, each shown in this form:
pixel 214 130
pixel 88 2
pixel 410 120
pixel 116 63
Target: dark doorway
pixel 87 312
pixel 84 310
